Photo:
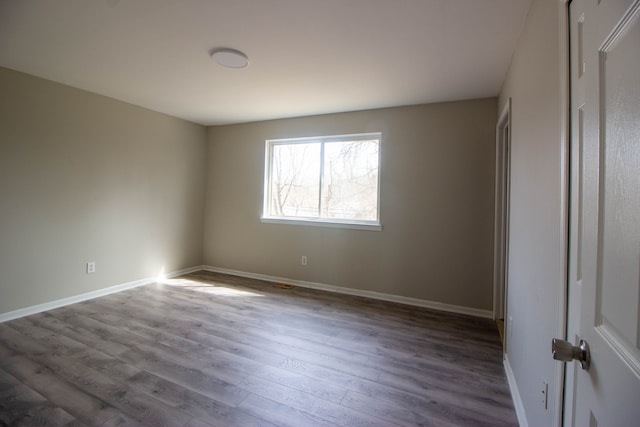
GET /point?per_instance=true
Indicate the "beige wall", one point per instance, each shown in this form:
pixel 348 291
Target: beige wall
pixel 87 178
pixel 537 234
pixel 436 205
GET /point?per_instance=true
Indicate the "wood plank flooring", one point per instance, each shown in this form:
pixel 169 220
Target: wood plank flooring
pixel 209 349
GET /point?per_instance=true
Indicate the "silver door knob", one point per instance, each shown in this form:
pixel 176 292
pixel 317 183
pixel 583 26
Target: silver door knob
pixel 563 350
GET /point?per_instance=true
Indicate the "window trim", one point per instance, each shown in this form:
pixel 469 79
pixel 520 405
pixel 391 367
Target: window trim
pixel 372 225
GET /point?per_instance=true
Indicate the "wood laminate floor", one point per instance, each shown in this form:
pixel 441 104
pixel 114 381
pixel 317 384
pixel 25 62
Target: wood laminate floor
pixel 210 349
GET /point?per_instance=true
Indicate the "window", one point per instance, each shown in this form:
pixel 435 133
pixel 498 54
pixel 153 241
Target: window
pixel 332 180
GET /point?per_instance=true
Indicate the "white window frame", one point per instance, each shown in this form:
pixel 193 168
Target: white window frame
pixel 373 225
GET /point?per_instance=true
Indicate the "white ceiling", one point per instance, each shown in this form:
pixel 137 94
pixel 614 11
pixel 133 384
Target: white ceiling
pixel 306 56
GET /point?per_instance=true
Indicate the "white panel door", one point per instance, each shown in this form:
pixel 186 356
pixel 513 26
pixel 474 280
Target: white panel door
pixel 604 289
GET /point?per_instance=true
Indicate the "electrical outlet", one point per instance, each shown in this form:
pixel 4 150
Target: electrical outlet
pixel 91 267
pixel 303 260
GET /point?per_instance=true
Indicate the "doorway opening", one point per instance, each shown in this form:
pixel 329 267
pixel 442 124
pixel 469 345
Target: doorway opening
pixel 501 226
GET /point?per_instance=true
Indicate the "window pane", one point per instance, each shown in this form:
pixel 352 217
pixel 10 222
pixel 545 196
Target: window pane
pixel 350 180
pixel 295 180
pixel 324 180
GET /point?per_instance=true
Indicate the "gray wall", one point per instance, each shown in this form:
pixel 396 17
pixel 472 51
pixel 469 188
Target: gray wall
pixel 537 234
pixel 87 178
pixel 437 201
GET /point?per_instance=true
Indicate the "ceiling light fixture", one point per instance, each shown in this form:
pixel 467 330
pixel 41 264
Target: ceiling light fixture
pixel 230 58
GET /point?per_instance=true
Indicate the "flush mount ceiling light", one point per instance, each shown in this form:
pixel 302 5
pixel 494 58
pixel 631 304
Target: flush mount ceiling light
pixel 230 58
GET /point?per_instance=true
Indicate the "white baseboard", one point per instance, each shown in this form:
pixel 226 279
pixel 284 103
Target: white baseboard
pixel 515 394
pixel 357 292
pixel 27 311
pixel 4 317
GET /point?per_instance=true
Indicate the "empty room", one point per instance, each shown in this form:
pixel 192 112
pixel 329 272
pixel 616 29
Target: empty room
pixel 319 213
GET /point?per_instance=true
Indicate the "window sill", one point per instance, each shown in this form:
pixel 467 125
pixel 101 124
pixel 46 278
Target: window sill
pixel 320 223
